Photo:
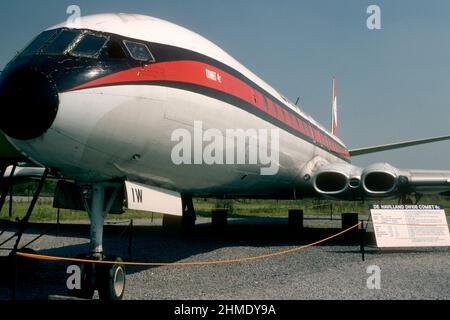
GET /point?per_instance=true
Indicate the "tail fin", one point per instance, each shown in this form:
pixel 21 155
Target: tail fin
pixel 334 110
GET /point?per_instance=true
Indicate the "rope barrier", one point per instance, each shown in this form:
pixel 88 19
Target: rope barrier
pixel 218 262
pixel 186 264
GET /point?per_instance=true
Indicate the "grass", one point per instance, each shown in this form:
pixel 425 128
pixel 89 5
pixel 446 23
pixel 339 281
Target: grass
pixel 274 208
pixel 44 212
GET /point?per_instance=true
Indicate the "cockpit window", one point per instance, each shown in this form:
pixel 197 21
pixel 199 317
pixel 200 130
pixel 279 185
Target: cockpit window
pixel 61 42
pixel 115 50
pixel 139 51
pixel 89 46
pixel 39 42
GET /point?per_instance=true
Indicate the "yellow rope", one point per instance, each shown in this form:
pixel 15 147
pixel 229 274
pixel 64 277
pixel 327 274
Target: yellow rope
pixel 186 264
pixel 203 263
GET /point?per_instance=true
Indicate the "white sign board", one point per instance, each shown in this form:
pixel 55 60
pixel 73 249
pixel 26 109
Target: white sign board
pixel 410 226
pixel 145 198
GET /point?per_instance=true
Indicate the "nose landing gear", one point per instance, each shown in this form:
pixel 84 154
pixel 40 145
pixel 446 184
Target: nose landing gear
pixel 107 278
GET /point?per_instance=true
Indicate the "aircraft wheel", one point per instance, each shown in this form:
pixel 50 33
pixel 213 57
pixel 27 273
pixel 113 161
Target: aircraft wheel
pixel 111 280
pixel 87 288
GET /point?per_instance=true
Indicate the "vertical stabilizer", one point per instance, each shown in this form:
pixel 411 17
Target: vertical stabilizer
pixel 334 110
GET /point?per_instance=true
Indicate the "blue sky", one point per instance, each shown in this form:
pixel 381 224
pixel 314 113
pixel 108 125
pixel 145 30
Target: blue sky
pixel 393 83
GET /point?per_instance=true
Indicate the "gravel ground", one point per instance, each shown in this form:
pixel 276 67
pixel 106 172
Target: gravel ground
pixel 333 270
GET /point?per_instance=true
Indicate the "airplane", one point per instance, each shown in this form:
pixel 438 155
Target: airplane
pixel 97 104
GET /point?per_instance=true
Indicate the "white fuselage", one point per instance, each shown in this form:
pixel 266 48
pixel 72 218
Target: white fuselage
pixel 124 131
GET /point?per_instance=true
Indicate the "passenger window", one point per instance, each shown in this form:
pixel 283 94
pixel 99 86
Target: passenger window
pixel 280 113
pixel 61 42
pixel 139 51
pixel 38 42
pixel 89 46
pixel 266 107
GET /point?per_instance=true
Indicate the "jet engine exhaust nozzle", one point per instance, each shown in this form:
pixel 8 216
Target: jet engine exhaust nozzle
pixel 331 182
pixel 380 179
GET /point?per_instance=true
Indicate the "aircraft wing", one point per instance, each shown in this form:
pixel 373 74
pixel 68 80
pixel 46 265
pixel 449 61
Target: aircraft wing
pixel 392 146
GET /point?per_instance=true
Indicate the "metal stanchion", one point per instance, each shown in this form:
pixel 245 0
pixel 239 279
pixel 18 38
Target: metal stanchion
pixel 130 239
pixel 362 240
pixel 57 221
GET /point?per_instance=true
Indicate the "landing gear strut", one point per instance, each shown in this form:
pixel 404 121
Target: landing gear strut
pixel 108 279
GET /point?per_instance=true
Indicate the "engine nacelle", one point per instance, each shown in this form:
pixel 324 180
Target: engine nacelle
pixel 337 179
pixel 380 179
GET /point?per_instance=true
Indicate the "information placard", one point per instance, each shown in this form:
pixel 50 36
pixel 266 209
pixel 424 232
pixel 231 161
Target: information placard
pixel 410 226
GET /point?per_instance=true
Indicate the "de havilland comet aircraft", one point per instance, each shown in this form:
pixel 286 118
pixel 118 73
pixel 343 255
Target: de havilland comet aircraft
pixel 97 104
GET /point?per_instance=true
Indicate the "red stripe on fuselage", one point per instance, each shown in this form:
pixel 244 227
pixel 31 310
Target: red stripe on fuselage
pixel 205 75
pixel 181 71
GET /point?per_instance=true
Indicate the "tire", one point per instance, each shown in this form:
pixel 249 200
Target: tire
pixel 111 280
pixel 87 288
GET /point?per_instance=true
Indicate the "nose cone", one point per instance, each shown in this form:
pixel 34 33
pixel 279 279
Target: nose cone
pixel 28 103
